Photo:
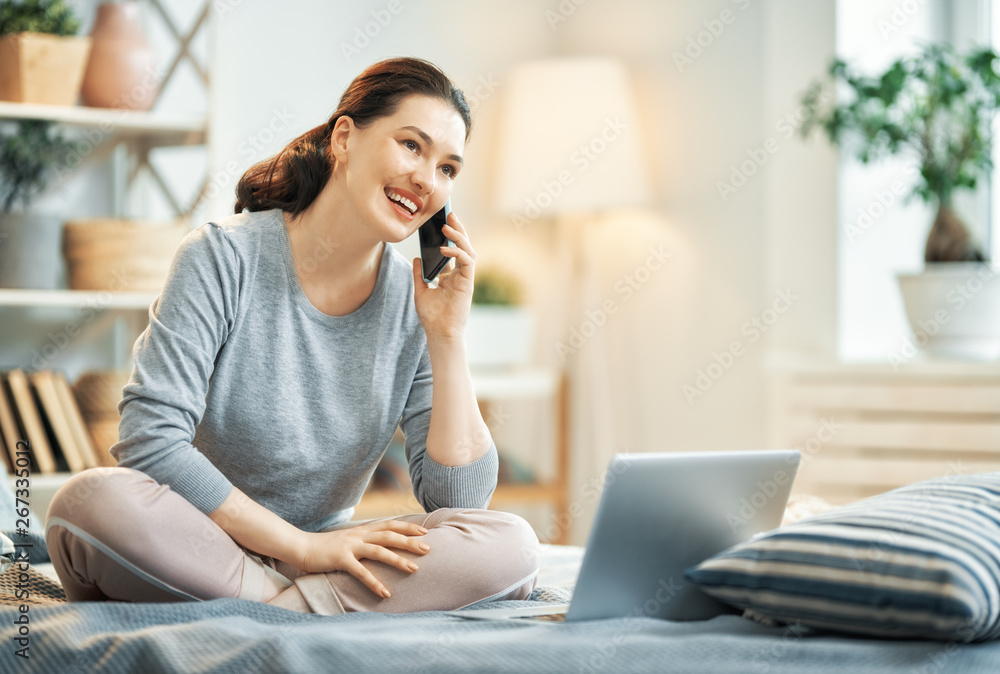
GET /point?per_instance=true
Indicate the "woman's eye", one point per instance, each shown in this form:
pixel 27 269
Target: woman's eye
pixel 411 145
pixel 449 171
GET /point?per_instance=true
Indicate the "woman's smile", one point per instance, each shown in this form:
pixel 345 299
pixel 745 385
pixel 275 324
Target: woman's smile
pixel 405 203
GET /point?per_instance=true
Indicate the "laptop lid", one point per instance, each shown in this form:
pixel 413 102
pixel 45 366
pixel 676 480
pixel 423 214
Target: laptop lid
pixel 662 513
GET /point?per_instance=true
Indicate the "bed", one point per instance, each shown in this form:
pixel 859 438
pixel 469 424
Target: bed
pixel 236 635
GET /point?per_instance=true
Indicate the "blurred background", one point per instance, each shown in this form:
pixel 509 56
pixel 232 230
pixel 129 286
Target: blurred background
pixel 692 273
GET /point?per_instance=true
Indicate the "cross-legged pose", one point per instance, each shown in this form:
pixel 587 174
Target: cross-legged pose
pixel 288 342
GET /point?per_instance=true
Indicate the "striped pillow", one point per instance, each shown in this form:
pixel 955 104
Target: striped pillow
pixel 921 561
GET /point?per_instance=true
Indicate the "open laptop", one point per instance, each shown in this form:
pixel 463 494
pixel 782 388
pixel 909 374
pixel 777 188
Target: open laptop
pixel 659 515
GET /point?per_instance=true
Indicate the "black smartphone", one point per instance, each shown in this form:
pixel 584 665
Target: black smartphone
pixel 431 240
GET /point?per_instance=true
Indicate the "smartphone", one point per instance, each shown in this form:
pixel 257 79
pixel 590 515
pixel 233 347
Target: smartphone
pixel 431 240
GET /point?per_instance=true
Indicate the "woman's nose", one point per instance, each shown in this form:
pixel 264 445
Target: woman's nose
pixel 423 180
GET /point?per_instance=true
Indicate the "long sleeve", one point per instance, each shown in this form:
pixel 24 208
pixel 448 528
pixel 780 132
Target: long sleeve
pixel 435 485
pixel 164 399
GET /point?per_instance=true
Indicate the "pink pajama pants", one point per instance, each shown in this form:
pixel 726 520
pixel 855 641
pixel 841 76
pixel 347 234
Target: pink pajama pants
pixel 117 534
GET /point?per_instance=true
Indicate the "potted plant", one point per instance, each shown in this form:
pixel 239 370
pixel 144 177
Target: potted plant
pixel 30 252
pixel 41 58
pixel 500 331
pixel 937 108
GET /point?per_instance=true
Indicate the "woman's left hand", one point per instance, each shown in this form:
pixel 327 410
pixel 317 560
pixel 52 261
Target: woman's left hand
pixel 444 311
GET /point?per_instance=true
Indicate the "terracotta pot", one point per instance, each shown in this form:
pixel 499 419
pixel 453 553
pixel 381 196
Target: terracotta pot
pixel 121 71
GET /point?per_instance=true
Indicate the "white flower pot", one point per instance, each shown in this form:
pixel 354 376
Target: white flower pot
pixel 499 336
pixel 954 309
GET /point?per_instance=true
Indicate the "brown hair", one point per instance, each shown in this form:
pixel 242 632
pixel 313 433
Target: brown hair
pixel 291 179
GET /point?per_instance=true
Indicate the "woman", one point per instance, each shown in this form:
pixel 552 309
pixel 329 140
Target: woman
pixel 287 344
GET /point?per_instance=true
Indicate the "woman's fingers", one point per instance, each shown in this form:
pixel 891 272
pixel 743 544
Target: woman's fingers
pixel 457 253
pixel 358 570
pixel 384 555
pixel 410 528
pixel 395 540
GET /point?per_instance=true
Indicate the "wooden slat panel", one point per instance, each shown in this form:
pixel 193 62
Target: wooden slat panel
pixel 887 473
pixel 916 435
pixel 959 399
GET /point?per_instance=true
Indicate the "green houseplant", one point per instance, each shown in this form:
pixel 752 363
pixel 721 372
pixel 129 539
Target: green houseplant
pixel 41 58
pixel 30 252
pixel 500 330
pixel 937 109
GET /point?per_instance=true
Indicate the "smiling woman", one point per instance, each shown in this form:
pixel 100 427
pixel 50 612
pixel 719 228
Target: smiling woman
pixel 281 355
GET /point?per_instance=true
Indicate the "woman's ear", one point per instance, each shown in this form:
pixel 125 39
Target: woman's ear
pixel 343 128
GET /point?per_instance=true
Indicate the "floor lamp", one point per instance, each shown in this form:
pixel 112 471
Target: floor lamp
pixel 569 153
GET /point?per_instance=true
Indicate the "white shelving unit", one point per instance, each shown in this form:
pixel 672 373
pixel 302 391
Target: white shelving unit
pixel 127 137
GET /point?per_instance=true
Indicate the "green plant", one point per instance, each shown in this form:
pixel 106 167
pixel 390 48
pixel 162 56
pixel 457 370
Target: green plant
pixel 39 16
pixel 937 107
pixel 495 286
pixel 26 160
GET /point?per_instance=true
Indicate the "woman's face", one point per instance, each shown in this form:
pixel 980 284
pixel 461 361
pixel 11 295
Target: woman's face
pixel 400 169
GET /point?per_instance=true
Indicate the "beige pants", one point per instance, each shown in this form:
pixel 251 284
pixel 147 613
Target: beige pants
pixel 117 534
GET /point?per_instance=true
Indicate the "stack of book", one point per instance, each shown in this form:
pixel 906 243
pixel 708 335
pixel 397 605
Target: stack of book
pixel 38 410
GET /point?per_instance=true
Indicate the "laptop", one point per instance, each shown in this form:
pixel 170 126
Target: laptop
pixel 659 515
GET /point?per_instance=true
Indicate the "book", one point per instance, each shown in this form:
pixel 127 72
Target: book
pixel 24 403
pixel 77 425
pixel 14 428
pixel 52 408
pixel 10 431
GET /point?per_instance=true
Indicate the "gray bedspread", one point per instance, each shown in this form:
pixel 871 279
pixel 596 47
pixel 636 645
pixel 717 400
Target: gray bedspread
pixel 236 635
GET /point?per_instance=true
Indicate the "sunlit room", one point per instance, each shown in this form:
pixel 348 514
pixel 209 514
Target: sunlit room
pixel 578 335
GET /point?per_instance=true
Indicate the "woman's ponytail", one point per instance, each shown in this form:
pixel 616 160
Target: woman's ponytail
pixel 291 179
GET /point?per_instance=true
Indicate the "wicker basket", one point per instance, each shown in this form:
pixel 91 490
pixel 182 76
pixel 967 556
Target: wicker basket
pixel 120 255
pixel 97 394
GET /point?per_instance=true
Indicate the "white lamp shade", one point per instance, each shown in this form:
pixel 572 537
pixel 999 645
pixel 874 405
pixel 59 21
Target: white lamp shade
pixel 569 141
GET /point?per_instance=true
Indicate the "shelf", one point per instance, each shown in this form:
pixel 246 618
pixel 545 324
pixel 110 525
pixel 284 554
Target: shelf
pixel 921 365
pixel 377 503
pixel 10 297
pixel 519 383
pixel 153 128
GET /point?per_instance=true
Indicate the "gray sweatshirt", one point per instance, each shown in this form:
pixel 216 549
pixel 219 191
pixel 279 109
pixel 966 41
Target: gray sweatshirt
pixel 240 380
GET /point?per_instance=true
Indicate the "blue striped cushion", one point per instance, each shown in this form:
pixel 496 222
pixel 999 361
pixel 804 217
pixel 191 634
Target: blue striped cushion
pixel 922 561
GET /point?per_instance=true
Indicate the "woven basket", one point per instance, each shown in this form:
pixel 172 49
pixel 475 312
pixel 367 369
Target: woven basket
pixel 120 255
pixel 97 394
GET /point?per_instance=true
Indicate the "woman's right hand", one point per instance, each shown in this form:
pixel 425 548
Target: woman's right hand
pixel 342 550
